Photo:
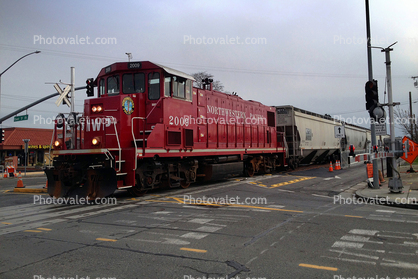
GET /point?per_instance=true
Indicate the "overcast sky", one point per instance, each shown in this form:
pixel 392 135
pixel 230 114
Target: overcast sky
pixel 305 53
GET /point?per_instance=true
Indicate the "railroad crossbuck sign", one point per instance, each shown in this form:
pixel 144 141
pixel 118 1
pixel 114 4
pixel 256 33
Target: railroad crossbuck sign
pixel 339 131
pixel 63 95
pixel 412 151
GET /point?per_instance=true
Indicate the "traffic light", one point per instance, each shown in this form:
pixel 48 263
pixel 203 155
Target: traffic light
pixel 1 135
pixel 89 87
pixel 372 97
pixel 372 101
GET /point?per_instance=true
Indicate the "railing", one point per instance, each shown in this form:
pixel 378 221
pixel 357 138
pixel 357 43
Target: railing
pixel 143 138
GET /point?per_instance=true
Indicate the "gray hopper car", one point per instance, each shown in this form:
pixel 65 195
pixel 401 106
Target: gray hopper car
pixel 311 138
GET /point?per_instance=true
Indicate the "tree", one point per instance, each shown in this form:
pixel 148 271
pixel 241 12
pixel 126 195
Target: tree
pixel 200 76
pixel 406 123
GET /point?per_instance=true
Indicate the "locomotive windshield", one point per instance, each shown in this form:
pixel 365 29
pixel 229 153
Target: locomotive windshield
pixel 133 83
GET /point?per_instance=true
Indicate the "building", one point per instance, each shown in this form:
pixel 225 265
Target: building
pixel 38 146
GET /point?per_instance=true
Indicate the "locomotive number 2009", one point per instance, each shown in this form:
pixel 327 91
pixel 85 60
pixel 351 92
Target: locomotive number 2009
pixel 182 121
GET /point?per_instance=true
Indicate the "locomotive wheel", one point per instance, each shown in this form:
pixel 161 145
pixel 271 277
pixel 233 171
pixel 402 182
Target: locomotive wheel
pixel 184 184
pixel 136 190
pixel 249 170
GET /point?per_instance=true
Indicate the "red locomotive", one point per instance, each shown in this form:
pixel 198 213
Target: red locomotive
pixel 149 127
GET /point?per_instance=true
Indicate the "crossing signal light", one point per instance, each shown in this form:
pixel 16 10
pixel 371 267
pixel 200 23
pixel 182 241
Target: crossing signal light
pixel 89 87
pixel 376 111
pixel 352 148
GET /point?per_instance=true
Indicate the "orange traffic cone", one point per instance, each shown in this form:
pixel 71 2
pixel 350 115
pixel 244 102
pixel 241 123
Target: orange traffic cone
pixel 381 179
pixel 46 185
pixel 20 182
pixel 337 165
pixel 330 166
pixel 5 174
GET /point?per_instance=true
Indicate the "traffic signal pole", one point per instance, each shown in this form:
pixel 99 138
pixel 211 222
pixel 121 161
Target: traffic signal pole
pixel 372 124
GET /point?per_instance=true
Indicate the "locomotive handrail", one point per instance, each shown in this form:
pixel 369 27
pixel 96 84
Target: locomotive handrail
pixel 143 140
pixel 117 139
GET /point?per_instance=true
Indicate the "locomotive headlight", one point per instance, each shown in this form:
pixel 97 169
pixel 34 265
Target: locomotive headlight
pixel 95 141
pixel 57 143
pixel 97 108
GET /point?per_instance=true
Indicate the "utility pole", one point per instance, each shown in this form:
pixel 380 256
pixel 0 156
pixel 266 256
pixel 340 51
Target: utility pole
pixel 73 128
pixel 411 121
pixel 395 183
pixel 372 125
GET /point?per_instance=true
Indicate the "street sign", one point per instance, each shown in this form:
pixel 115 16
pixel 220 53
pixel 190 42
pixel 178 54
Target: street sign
pixel 412 150
pixel 380 129
pixel 21 117
pixel 63 95
pixel 339 131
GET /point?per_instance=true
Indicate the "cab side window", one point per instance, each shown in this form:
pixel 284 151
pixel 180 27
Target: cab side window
pixel 101 87
pixel 153 86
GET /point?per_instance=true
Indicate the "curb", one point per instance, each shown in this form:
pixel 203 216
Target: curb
pixel 383 201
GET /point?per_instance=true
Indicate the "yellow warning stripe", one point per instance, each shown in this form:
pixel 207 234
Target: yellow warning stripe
pixel 290 182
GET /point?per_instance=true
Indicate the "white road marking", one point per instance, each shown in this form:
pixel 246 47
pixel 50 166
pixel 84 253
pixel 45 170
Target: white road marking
pixel 359 238
pixel 343 244
pixel 194 235
pixel 400 264
pixel 385 211
pixel 175 241
pixel 276 206
pixel 350 260
pixel 363 232
pixel 200 220
pixel 208 229
pixel 355 254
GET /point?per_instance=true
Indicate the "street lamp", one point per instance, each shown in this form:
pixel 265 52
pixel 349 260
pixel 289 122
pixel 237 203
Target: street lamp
pixel 35 52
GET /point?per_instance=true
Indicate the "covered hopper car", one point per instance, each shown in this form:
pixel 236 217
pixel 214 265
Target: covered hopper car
pixel 310 137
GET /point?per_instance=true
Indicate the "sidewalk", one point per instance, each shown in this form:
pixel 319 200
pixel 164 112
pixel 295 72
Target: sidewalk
pixel 408 198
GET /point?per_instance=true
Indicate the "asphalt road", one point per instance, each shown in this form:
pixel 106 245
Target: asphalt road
pixel 287 225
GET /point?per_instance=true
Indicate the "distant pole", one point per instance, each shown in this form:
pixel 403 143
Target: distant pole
pixel 372 125
pixel 26 141
pixel 73 131
pixel 410 115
